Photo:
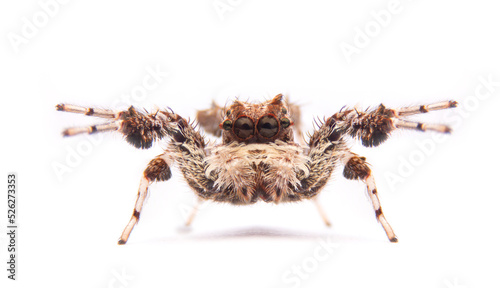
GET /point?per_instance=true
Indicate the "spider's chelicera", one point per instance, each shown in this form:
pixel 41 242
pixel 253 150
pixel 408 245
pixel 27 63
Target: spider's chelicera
pixel 258 159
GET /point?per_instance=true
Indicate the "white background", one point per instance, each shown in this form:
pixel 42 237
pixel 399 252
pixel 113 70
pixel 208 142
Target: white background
pixel 444 206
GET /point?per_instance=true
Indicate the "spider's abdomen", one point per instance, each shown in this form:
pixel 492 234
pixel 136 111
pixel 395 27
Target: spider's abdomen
pixel 245 174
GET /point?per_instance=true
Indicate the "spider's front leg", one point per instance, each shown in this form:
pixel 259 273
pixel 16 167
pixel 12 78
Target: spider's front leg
pixel 140 129
pixel 186 146
pixel 373 127
pixel 327 147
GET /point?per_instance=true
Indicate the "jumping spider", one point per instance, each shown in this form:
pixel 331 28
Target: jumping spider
pixel 258 158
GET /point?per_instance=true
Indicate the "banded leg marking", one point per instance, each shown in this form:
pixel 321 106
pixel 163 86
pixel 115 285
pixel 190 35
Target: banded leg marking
pixel 405 124
pixel 141 197
pixel 97 112
pixel 407 111
pixel 355 168
pixel 113 126
pixel 372 192
pixel 158 170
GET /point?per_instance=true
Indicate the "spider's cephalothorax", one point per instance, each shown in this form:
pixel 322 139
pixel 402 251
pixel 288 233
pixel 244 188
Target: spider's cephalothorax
pixel 258 159
pixel 257 123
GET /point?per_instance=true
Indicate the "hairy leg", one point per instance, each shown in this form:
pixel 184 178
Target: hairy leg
pixel 158 170
pixel 186 146
pixel 373 127
pixel 327 147
pixel 140 129
pixel 356 168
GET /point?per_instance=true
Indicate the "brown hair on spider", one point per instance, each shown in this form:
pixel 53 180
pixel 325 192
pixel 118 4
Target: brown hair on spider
pixel 257 123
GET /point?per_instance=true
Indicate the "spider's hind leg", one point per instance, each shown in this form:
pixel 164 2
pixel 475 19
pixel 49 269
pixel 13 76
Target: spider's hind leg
pixel 210 119
pixel 297 126
pixel 357 169
pixel 321 211
pixel 194 212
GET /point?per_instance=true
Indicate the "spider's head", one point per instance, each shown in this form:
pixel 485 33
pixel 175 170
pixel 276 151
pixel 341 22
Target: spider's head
pixel 257 123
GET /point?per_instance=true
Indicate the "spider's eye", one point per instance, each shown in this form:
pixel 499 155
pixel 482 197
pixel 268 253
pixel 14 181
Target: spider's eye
pixel 268 126
pixel 226 125
pixel 228 112
pixel 243 127
pixel 285 122
pixel 283 110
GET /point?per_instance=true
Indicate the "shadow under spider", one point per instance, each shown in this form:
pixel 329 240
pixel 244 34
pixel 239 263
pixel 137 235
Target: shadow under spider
pixel 261 233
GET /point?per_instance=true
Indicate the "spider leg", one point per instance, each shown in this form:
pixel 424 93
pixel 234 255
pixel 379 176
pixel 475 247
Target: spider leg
pixel 139 128
pixel 185 146
pixel 157 170
pixel 321 211
pixel 141 196
pixel 357 169
pixel 89 111
pixel 194 211
pixel 405 124
pixel 412 110
pixel 297 122
pixel 210 119
pixel 374 126
pixel 112 126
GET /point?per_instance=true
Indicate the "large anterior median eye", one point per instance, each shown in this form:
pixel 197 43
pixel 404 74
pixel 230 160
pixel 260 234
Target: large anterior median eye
pixel 243 127
pixel 268 126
